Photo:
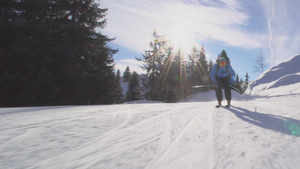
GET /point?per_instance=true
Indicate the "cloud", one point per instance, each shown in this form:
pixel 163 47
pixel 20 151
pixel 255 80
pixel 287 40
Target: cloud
pixel 133 21
pixel 284 34
pixel 228 23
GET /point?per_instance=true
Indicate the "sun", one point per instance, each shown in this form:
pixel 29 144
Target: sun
pixel 181 36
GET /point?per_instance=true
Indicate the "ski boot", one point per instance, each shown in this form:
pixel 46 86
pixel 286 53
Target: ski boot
pixel 228 103
pixel 219 104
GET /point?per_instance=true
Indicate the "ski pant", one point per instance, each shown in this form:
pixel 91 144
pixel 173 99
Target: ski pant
pixel 223 83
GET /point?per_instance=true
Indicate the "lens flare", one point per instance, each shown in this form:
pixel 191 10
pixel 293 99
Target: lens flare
pixel 292 127
pixel 295 129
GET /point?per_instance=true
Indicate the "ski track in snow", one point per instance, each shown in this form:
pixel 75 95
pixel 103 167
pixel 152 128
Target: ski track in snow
pixel 184 135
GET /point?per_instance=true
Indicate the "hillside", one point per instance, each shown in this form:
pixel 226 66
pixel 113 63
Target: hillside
pixel 280 80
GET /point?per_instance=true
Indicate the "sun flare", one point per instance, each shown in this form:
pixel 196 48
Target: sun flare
pixel 182 36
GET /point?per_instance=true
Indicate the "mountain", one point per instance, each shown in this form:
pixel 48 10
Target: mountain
pixel 282 79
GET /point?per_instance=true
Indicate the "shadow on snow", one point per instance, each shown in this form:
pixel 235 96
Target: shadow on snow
pixel 268 121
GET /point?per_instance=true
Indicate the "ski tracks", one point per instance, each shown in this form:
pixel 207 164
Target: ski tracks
pixel 153 136
pixel 221 139
pixel 189 140
pixel 204 140
pixel 232 140
pixel 141 134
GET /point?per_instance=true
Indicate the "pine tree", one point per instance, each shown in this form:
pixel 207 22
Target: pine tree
pixel 203 67
pixel 176 82
pixel 241 86
pixel 154 61
pixel 118 88
pixel 170 77
pixel 53 54
pixel 224 54
pixel 134 90
pixel 237 81
pixel 25 77
pixel 197 69
pixel 210 66
pixel 192 68
pixel 127 74
pixel 246 82
pixel 85 59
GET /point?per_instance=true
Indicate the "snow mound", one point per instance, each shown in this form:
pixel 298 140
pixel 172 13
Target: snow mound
pixel 285 80
pixel 278 80
pixel 290 66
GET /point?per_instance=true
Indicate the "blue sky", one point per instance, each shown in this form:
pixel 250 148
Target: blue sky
pixel 243 28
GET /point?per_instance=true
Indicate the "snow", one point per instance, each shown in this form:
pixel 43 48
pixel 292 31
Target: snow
pixel 284 75
pixel 260 130
pixel 142 101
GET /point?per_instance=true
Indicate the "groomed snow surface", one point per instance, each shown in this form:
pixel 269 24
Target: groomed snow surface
pixel 260 131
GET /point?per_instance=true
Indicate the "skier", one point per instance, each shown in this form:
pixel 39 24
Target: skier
pixel 222 76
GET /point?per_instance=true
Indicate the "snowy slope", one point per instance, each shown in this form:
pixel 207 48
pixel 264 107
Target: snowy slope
pixel 251 134
pixel 260 130
pixel 285 75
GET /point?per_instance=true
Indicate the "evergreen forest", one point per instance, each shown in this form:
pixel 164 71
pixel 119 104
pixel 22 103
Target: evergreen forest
pixel 52 52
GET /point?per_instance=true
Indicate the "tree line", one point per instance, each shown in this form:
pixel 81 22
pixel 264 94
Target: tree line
pixel 52 52
pixel 170 75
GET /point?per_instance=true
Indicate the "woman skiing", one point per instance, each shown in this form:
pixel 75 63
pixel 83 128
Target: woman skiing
pixel 222 76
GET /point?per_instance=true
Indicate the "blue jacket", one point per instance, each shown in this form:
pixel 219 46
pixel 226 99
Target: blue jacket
pixel 222 72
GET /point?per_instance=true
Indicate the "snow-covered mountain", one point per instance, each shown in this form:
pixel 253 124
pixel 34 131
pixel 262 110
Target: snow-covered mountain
pixel 260 130
pixel 282 79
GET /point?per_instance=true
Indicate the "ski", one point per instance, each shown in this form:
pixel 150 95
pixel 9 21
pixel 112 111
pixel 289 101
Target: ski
pixel 200 86
pixel 237 90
